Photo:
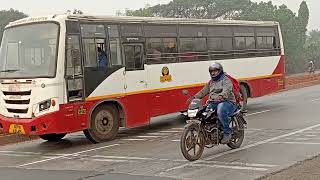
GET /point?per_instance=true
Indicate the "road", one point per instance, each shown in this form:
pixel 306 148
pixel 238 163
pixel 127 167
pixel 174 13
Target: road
pixel 283 129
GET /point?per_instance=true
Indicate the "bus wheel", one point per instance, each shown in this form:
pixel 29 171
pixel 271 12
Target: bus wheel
pixel 244 96
pixel 104 124
pixel 52 137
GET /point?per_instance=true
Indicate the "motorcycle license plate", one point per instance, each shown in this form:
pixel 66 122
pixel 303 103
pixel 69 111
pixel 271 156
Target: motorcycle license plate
pixel 193 121
pixel 16 129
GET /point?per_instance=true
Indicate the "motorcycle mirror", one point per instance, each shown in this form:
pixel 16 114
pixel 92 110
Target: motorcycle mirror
pixel 185 92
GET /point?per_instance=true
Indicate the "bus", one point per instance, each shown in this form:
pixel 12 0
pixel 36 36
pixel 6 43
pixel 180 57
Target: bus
pixel 52 83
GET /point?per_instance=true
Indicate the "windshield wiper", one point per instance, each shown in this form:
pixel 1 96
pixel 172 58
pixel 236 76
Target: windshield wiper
pixel 10 70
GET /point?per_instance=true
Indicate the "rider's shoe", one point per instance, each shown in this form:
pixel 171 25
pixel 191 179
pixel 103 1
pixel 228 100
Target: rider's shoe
pixel 226 139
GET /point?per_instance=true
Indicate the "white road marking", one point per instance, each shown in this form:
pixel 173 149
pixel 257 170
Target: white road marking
pixel 122 157
pixel 158 134
pixel 310 135
pixel 230 167
pixel 134 139
pixel 298 139
pixel 246 147
pixel 243 164
pixel 170 131
pixel 251 114
pixel 178 128
pixel 300 143
pixel 59 157
pixel 15 155
pixel 17 152
pixel 104 160
pixel 315 100
pixel 253 129
pixel 148 136
pixel 176 140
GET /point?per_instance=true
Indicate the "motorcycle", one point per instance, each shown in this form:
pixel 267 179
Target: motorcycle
pixel 204 129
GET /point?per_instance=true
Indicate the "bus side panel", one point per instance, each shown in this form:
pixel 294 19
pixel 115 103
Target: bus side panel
pixel 265 86
pixel 76 116
pixel 137 110
pixel 171 101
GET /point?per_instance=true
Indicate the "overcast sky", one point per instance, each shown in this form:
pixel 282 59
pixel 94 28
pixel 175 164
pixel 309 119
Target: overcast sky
pixel 109 7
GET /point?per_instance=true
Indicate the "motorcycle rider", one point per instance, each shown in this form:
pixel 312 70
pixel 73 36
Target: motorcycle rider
pixel 221 98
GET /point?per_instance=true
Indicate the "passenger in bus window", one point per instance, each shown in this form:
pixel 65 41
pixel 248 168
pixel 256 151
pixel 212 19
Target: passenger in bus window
pixel 156 56
pixel 170 49
pixel 102 59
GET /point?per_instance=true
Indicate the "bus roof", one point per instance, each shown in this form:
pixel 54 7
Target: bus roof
pixel 161 20
pixel 147 20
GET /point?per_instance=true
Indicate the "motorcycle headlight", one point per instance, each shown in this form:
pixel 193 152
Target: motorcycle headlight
pixel 192 113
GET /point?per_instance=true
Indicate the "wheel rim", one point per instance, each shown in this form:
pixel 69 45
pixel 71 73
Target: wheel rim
pixel 237 133
pixel 193 143
pixel 104 122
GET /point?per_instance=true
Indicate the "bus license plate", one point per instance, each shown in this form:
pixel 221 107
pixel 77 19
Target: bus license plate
pixel 16 129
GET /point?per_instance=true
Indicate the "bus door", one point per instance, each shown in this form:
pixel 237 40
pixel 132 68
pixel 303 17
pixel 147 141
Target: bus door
pixel 74 84
pixel 135 76
pixel 74 73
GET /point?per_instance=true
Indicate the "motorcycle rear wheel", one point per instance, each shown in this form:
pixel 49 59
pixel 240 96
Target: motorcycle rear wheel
pixel 238 128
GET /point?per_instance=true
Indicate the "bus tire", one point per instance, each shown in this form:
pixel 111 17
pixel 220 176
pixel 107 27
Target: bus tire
pixel 53 137
pixel 244 96
pixel 104 124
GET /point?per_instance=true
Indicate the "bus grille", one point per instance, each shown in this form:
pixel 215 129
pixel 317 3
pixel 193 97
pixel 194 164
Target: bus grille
pixel 18 111
pixel 17 102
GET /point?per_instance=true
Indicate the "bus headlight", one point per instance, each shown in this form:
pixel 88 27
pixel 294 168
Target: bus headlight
pixel 44 105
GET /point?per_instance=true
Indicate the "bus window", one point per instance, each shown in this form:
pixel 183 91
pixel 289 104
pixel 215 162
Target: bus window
pixel 160 31
pixel 90 49
pixel 244 38
pixel 161 50
pixel 133 56
pixel 170 50
pixel 192 31
pixel 73 56
pixel 267 41
pixel 131 30
pixel 193 49
pixel 14 56
pixel 90 53
pixel 93 30
pixel 115 51
pixel 114 40
pixel 220 31
pixel 220 44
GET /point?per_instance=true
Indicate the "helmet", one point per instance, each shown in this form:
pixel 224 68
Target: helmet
pixel 215 66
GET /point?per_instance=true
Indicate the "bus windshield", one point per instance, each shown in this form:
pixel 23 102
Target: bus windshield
pixel 29 51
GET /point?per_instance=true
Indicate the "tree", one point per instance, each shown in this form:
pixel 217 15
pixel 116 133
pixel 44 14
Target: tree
pixel 212 9
pixel 312 47
pixel 7 16
pixel 293 29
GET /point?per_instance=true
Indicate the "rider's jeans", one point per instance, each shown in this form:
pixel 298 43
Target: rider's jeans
pixel 225 110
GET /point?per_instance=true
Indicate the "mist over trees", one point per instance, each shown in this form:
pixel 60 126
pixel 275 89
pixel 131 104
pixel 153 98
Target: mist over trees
pixel 300 46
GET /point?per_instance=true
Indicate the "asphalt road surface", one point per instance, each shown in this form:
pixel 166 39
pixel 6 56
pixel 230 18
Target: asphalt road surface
pixel 282 129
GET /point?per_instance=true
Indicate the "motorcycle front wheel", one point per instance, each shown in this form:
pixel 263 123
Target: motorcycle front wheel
pixel 192 142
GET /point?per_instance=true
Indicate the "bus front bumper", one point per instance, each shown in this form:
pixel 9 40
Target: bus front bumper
pixel 45 124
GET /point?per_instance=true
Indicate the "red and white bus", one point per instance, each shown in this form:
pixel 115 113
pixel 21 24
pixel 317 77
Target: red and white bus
pixel 51 83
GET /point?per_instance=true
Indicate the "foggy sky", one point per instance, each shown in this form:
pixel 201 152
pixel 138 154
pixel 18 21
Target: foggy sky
pixel 109 7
